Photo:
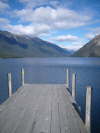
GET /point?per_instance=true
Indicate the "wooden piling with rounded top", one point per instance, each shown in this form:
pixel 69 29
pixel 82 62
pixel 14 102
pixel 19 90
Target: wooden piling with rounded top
pixel 9 85
pixel 22 76
pixel 67 78
pixel 74 86
pixel 88 109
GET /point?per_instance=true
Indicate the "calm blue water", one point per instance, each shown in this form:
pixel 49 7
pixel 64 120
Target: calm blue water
pixel 53 70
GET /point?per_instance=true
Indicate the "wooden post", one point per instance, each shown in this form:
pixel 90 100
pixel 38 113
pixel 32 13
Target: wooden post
pixel 22 74
pixel 9 85
pixel 88 109
pixel 74 86
pixel 67 78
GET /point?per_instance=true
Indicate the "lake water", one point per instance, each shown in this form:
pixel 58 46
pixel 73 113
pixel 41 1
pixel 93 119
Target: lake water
pixel 53 70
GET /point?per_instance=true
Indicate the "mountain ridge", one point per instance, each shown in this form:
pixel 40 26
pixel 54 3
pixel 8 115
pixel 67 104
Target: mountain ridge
pixel 91 49
pixel 12 45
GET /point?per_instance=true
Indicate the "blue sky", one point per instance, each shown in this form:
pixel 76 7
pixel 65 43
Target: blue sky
pixel 67 23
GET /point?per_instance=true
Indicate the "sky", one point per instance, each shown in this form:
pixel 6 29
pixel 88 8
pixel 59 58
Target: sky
pixel 67 23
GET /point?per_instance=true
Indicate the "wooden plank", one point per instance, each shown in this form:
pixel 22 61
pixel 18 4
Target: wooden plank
pixel 15 111
pixel 27 123
pixel 67 121
pixel 74 121
pixel 55 123
pixel 42 108
pixel 43 116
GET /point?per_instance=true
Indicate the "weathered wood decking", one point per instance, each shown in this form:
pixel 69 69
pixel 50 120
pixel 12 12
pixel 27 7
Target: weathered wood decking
pixel 40 108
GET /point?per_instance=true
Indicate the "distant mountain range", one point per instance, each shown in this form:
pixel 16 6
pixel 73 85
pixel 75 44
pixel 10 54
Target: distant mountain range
pixel 91 49
pixel 16 46
pixel 12 45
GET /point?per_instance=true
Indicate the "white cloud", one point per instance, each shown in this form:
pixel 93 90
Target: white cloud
pixel 52 18
pixel 73 46
pixel 96 30
pixel 46 19
pixel 66 38
pixel 3 6
pixel 20 29
pixel 28 30
pixel 24 1
pixel 35 30
pixel 4 21
pixel 90 35
pixel 93 32
pixel 38 3
pixel 60 17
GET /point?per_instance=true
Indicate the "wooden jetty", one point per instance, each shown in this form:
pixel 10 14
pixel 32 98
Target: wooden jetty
pixel 42 108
